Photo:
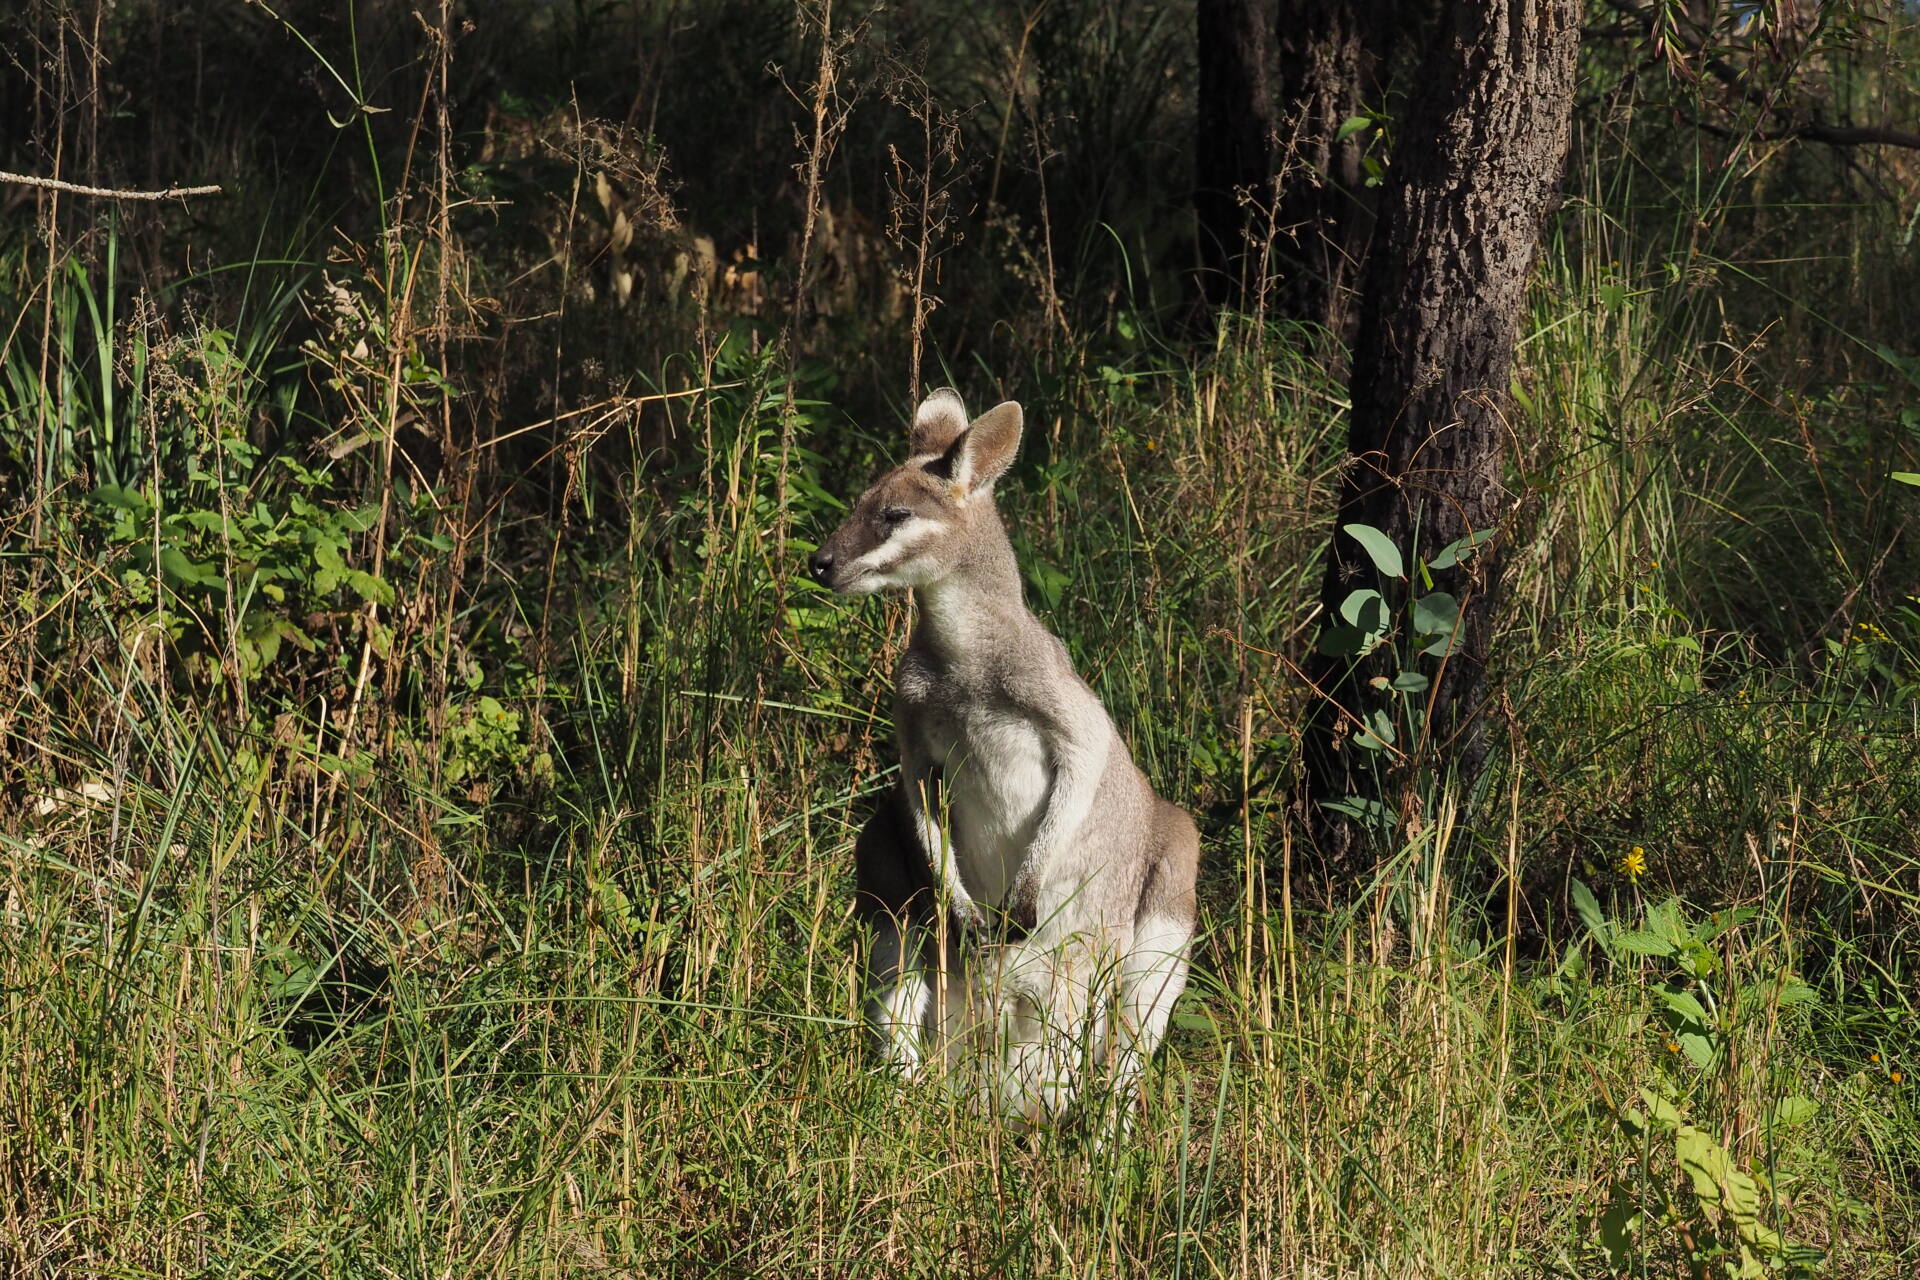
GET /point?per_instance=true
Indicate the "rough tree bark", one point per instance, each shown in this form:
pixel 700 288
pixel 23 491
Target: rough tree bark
pixel 1473 174
pixel 1332 65
pixel 1233 148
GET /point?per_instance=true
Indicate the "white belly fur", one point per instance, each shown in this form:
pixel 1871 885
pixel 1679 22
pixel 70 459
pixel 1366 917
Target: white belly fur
pixel 997 777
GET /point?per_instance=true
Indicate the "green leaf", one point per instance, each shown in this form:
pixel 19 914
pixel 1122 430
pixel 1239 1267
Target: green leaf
pixel 1361 809
pixel 1684 1004
pixel 114 496
pixel 1446 646
pixel 1705 1162
pixel 1794 1109
pixel 369 588
pixel 1792 992
pixel 1378 733
pixel 1661 1109
pixel 1048 582
pixel 1350 126
pixel 1664 919
pixel 1461 548
pixel 1642 943
pixel 1619 1225
pixel 1588 909
pixel 1410 682
pixel 1342 641
pixel 1905 477
pixel 1698 1048
pixel 1436 613
pixel 1909 366
pixel 1379 548
pixel 1365 609
pixel 180 569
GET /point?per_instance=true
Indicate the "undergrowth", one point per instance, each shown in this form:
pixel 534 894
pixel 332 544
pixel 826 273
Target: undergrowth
pixel 427 783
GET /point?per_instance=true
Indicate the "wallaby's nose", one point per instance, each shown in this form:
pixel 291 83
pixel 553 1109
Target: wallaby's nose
pixel 820 564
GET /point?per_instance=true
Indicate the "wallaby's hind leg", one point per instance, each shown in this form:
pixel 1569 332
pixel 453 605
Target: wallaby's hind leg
pixel 893 898
pixel 1154 971
pixel 1151 979
pixel 1042 998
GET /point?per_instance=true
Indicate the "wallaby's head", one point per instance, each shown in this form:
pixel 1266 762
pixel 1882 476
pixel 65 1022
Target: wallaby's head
pixel 925 517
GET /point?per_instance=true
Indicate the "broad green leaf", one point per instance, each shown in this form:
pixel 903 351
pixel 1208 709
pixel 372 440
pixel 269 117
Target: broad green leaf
pixel 1698 1048
pixel 1661 1109
pixel 1792 992
pixel 1410 682
pixel 1905 477
pixel 1684 1004
pixel 1350 126
pixel 1794 1109
pixel 1664 919
pixel 114 496
pixel 1588 909
pixel 1379 548
pixel 1705 1162
pixel 1909 366
pixel 181 569
pixel 1436 613
pixel 1642 943
pixel 1619 1225
pixel 1378 733
pixel 1365 609
pixel 1446 645
pixel 1363 810
pixel 1343 641
pixel 1721 921
pixel 1460 548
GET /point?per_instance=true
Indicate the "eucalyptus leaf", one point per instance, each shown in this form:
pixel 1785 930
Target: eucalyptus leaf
pixel 1436 613
pixel 1378 733
pixel 1460 548
pixel 1342 641
pixel 1379 548
pixel 1365 609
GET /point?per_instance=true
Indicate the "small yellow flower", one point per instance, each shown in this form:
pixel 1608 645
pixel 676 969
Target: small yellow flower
pixel 1672 1047
pixel 1634 864
pixel 1873 1057
pixel 1895 1076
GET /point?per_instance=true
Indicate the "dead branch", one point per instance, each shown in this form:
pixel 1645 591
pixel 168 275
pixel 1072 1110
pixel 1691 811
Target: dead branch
pixel 74 188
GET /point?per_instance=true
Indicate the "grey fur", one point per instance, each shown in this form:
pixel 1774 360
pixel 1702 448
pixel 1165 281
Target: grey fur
pixel 1022 883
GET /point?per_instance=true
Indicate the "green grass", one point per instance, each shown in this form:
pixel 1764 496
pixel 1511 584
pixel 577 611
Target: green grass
pixel 585 1004
pixel 427 786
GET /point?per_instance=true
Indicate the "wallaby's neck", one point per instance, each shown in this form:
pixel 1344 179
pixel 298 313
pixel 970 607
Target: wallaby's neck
pixel 982 597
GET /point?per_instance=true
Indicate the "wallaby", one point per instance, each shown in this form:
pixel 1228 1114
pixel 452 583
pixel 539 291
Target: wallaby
pixel 1020 828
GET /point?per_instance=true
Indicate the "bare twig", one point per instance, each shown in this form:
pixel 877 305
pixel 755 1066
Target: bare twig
pixel 74 188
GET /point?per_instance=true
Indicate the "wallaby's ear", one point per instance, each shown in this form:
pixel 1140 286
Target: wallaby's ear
pixel 985 450
pixel 938 423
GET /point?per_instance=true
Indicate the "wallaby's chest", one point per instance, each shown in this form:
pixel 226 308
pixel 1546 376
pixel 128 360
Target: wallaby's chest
pixel 996 772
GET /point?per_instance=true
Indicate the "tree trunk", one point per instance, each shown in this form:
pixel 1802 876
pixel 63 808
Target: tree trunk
pixel 1233 148
pixel 1473 175
pixel 1332 66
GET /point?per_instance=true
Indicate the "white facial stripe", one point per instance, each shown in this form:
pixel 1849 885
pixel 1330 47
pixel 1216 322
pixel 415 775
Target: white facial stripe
pixel 898 548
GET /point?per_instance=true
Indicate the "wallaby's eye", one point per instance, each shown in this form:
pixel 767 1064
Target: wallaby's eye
pixel 895 515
